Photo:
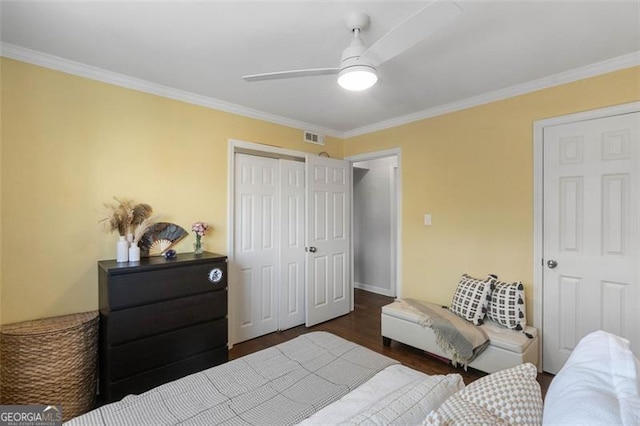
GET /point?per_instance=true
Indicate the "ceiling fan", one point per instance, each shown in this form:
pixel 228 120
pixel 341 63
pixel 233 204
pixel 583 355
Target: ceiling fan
pixel 357 70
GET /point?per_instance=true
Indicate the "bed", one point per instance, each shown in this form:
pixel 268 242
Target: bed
pixel 320 379
pixel 284 384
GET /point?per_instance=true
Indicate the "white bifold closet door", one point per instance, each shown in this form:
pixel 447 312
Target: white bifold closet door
pixel 269 245
pixel 292 255
pixel 291 243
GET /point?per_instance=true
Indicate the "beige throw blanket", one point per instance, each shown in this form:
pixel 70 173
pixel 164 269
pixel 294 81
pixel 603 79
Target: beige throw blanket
pixel 458 338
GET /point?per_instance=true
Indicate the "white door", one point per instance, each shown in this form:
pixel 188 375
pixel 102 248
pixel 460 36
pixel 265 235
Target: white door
pixel 328 236
pixel 256 246
pixel 591 233
pixel 292 254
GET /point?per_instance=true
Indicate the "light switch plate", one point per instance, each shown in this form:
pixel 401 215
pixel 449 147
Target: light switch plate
pixel 427 219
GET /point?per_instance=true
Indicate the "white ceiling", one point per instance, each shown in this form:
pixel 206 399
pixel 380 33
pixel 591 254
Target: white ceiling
pixel 204 48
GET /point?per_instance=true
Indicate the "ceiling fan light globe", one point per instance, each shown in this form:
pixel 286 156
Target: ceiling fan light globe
pixel 357 78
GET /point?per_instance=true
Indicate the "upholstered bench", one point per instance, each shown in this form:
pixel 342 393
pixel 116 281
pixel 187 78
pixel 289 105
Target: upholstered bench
pixel 507 348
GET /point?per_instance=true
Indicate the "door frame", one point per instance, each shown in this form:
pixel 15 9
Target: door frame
pixel 538 198
pixel 375 155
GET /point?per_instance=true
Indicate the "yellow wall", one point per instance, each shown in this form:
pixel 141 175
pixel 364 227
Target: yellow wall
pixel 473 171
pixel 1 239
pixel 70 144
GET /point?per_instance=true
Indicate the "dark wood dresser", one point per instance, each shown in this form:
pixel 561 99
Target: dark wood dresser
pixel 160 320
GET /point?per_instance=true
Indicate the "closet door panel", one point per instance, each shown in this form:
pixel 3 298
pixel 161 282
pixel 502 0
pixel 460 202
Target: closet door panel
pixel 292 258
pixel 257 237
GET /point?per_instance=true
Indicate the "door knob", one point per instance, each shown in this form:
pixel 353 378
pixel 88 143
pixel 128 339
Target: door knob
pixel 311 249
pixel 552 263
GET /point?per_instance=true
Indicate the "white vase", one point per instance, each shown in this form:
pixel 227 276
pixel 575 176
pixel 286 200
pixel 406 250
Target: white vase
pixel 134 253
pixel 122 250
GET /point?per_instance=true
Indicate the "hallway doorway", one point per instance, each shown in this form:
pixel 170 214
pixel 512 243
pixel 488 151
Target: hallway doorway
pixel 376 222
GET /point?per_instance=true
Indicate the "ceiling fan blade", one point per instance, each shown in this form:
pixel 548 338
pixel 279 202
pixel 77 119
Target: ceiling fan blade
pixel 435 15
pixel 291 74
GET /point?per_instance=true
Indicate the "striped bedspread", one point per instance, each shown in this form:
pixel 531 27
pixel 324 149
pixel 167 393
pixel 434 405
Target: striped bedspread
pixel 280 385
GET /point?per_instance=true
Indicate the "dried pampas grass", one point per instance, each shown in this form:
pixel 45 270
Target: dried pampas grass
pixel 139 213
pixel 140 230
pixel 124 216
pixel 117 219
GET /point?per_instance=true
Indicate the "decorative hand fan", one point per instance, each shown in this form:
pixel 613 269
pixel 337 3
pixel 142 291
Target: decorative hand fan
pixel 160 237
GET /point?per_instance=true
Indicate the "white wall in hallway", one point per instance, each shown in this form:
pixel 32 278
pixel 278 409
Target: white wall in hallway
pixel 374 204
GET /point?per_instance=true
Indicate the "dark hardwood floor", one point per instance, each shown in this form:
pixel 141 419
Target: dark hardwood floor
pixel 362 326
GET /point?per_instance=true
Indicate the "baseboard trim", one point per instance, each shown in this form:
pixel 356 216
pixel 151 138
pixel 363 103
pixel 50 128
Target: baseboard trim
pixel 374 289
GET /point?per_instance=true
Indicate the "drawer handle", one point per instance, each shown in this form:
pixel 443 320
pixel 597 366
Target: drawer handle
pixel 215 275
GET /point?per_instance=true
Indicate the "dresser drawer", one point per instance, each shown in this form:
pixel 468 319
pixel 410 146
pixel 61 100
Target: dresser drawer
pixel 125 325
pixel 150 379
pixel 153 352
pixel 128 290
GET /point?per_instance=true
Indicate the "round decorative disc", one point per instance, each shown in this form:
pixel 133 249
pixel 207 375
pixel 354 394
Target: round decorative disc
pixel 215 275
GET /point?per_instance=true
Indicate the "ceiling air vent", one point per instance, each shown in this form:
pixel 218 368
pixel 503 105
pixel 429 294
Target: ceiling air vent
pixel 315 138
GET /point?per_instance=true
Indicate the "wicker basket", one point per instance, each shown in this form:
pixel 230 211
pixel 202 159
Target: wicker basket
pixel 50 361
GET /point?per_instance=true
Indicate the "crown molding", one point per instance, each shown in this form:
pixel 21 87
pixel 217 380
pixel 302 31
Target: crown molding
pixel 34 57
pixel 592 70
pixel 76 68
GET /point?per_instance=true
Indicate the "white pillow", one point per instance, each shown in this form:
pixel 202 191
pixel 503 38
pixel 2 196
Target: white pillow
pixel 373 396
pixel 597 385
pixel 410 404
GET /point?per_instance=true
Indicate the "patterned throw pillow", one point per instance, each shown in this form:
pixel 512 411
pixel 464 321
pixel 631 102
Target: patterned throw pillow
pixel 506 305
pixel 510 396
pixel 470 299
pixel 457 411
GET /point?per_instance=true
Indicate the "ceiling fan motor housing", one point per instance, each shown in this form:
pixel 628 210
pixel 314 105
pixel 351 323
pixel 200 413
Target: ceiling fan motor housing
pixel 356 74
pixel 351 55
